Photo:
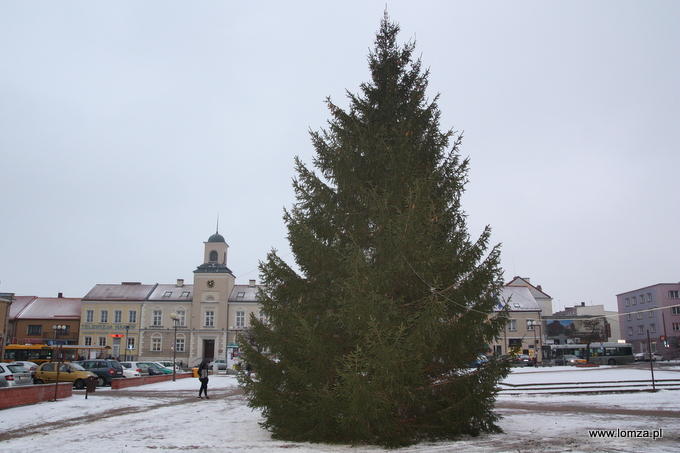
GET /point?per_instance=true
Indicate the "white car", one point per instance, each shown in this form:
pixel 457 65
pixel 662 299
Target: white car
pixel 30 366
pixel 221 364
pixel 130 373
pixel 644 357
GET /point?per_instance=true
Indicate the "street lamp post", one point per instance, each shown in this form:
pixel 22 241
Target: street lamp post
pixel 57 329
pixel 175 318
pixel 127 341
pixel 533 323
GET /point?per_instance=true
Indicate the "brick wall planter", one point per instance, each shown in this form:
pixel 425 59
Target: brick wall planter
pixel 31 394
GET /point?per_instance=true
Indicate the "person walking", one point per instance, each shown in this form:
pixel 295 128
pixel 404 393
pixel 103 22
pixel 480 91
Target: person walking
pixel 203 377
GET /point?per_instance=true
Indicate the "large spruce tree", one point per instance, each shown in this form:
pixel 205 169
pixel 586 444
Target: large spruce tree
pixel 371 342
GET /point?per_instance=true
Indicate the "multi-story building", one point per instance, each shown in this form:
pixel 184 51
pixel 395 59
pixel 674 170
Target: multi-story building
pixel 650 319
pixel 110 317
pixel 189 322
pixel 43 320
pixel 524 331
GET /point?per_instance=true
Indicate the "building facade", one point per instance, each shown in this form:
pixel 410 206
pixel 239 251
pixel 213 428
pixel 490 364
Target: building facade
pixel 650 319
pixel 43 320
pixel 187 322
pixel 523 333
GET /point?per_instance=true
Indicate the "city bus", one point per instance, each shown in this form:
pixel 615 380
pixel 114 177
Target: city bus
pixel 39 353
pixel 600 353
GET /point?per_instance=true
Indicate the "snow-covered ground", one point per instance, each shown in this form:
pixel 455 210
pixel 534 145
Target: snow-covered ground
pixel 169 417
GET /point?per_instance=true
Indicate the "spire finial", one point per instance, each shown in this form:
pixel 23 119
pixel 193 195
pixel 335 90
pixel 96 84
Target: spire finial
pixel 217 228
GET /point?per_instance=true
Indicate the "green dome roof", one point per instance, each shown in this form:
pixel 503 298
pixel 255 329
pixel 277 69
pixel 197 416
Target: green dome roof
pixel 217 237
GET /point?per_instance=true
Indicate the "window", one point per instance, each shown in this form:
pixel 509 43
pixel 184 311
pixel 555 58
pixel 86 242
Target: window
pixel 639 315
pixel 630 331
pixel 185 294
pixel 241 294
pixel 118 316
pixel 630 317
pixel 89 316
pixel 674 294
pixel 263 317
pixel 530 325
pixel 167 294
pixel 634 300
pixel 179 346
pixel 675 310
pixel 651 313
pixel 34 330
pixel 88 341
pixel 213 256
pixel 649 297
pixel 627 302
pixel 652 328
pixel 209 318
pixel 157 318
pixel 101 341
pixel 512 324
pixel 156 344
pixel 240 319
pixel 181 317
pixel 130 343
pixel 676 326
pixel 132 316
pixel 641 329
pixel 104 316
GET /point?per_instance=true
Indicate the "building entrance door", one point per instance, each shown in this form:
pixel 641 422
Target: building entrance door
pixel 209 350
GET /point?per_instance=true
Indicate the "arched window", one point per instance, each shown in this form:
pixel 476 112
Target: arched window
pixel 213 256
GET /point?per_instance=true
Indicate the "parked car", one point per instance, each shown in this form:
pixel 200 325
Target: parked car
pixel 645 356
pixel 106 369
pixel 155 368
pixel 169 364
pixel 68 372
pixel 14 375
pixel 130 373
pixel 568 359
pixel 480 361
pixel 221 364
pixel 164 367
pixel 523 360
pixel 30 366
pixel 139 367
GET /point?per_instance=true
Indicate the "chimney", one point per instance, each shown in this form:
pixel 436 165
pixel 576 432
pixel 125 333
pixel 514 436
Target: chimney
pixel 180 282
pixel 251 283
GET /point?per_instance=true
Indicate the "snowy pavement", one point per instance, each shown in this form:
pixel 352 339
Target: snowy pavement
pixel 168 416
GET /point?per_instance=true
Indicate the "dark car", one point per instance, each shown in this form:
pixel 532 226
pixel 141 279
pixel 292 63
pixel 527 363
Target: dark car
pixel 106 369
pixel 568 359
pixel 523 360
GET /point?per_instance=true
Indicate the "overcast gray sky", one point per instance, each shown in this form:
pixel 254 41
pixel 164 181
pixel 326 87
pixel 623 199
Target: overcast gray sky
pixel 126 128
